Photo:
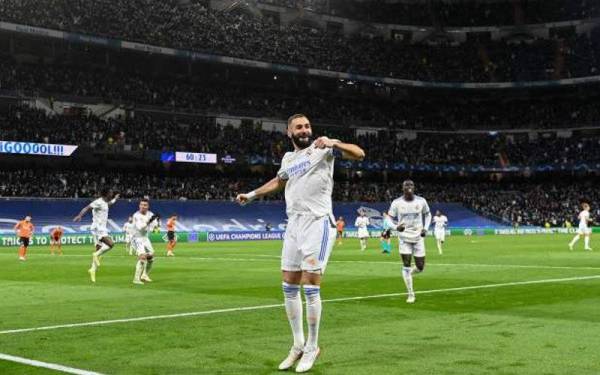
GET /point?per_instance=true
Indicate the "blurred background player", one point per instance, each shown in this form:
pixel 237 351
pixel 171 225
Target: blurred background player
pixel 339 225
pixel 386 234
pixel 24 230
pixel 584 228
pixel 171 235
pixel 128 230
pixel 144 222
pixel 414 219
pixel 362 223
pixel 99 227
pixel 440 222
pixel 307 175
pixel 55 237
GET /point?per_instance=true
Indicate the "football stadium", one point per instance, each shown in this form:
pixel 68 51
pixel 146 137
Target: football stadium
pixel 300 186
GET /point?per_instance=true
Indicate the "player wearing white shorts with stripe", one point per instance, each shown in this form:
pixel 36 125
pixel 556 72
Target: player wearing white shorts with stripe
pixel 99 227
pixel 128 230
pixel 362 223
pixel 307 176
pixel 440 222
pixel 144 221
pixel 413 217
pixel 584 228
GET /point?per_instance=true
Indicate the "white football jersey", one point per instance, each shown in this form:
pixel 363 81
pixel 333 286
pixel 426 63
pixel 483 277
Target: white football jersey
pixel 362 222
pixel 309 176
pixel 141 228
pixel 440 222
pixel 414 215
pixel 99 214
pixel 128 228
pixel 584 216
pixel 388 223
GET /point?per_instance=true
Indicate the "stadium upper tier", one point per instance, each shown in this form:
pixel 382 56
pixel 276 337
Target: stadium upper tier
pixel 198 28
pixel 448 13
pixel 526 203
pixel 251 144
pixel 346 105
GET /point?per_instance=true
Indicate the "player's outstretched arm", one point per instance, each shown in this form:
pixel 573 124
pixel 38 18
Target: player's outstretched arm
pixel 273 186
pixel 349 151
pixel 82 213
pixel 114 200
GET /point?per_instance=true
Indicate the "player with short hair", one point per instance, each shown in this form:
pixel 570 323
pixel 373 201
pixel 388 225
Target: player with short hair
pixel 24 230
pixel 144 221
pixel 339 225
pixel 386 233
pixel 362 222
pixel 171 237
pixel 307 176
pixel 440 222
pixel 99 227
pixel 128 230
pixel 584 227
pixel 55 237
pixel 414 218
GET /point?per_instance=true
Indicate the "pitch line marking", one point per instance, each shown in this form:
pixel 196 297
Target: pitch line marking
pixel 394 262
pixel 272 306
pixel 51 366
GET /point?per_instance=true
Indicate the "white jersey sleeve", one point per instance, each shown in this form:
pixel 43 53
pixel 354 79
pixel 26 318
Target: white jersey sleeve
pixel 96 204
pixel 426 214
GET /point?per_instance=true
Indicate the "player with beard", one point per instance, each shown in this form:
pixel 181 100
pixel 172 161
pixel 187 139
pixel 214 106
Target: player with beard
pixel 413 218
pixel 307 176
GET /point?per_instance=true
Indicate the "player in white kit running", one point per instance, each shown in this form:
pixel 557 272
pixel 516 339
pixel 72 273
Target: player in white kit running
pixel 362 222
pixel 99 227
pixel 307 176
pixel 440 222
pixel 413 218
pixel 144 221
pixel 128 230
pixel 584 228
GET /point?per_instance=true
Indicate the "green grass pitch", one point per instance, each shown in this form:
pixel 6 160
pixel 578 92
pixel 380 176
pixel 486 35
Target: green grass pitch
pixel 502 326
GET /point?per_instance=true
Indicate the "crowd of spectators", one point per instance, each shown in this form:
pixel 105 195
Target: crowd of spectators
pixel 200 28
pixel 245 142
pixel 520 204
pixel 448 13
pixel 391 111
pixel 86 184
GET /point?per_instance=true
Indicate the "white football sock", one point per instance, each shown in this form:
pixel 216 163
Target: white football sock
pixel 313 314
pixel 148 267
pixel 94 267
pixel 139 268
pixel 575 239
pixel 293 308
pixel 103 249
pixel 439 246
pixel 586 241
pixel 408 281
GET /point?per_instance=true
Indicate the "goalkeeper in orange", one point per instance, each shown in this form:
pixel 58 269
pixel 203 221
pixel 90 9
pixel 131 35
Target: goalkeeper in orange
pixel 171 235
pixel 55 237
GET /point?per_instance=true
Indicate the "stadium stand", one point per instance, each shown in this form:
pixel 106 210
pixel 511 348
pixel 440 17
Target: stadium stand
pixel 236 34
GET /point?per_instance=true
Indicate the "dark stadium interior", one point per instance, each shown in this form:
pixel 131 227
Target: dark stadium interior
pixel 504 140
pixel 440 159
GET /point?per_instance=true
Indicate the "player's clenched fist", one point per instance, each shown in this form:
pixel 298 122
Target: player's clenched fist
pixel 323 142
pixel 245 198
